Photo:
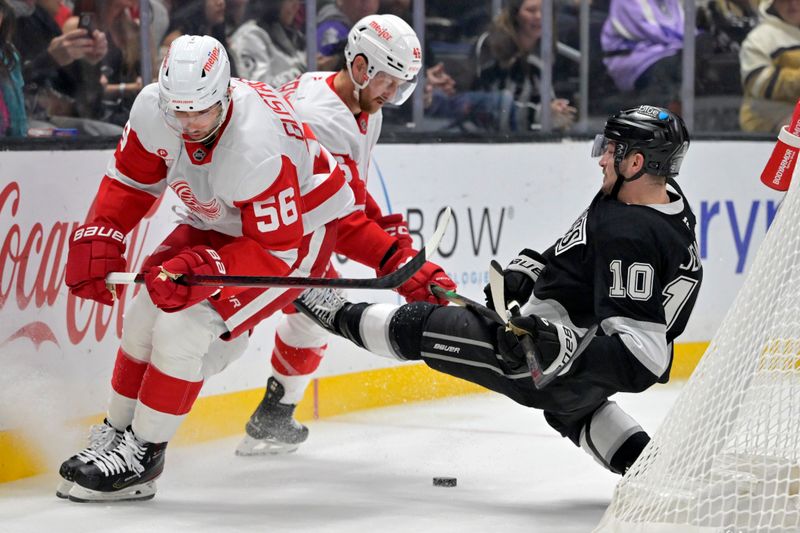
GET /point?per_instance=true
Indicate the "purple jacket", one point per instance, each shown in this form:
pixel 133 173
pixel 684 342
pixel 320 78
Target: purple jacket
pixel 636 34
pixel 332 30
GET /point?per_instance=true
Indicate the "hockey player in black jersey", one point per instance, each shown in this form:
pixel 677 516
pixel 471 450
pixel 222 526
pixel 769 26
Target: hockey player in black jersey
pixel 602 305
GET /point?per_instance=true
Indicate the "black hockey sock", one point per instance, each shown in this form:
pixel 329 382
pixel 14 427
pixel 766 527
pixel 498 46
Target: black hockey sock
pixel 347 322
pixel 630 450
pixel 407 328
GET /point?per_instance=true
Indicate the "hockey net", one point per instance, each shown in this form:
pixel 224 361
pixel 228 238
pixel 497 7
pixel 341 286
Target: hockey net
pixel 725 459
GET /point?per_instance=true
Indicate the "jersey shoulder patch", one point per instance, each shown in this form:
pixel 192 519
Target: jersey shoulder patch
pixel 575 235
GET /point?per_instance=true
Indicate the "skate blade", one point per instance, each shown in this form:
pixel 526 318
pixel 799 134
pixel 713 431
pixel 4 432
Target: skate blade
pixel 62 491
pixel 250 447
pixel 143 491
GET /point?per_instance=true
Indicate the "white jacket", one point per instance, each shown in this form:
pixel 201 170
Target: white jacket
pixel 272 57
pixel 770 68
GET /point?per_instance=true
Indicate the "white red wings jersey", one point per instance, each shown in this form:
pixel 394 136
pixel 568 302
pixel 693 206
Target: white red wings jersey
pixel 349 138
pixel 262 178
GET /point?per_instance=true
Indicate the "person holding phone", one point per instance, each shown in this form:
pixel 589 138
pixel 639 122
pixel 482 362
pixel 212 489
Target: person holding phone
pixel 58 67
pixel 120 78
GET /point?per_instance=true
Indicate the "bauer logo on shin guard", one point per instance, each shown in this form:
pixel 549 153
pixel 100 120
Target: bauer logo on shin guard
pixel 446 348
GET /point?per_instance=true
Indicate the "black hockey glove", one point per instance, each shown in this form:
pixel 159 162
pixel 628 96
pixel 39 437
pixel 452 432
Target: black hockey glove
pixel 555 345
pixel 518 278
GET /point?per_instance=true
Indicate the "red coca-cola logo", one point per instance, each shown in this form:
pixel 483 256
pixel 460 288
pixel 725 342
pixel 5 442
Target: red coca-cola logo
pixel 32 270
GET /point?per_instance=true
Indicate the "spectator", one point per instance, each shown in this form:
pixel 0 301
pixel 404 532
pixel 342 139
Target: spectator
pixel 61 70
pixel 722 25
pixel 728 22
pixel 438 82
pixel 268 47
pixel 58 10
pixel 398 8
pixel 439 89
pixel 121 67
pixel 642 42
pixel 513 69
pixel 160 10
pixel 200 17
pixel 333 23
pixel 236 14
pixel 770 64
pixel 13 120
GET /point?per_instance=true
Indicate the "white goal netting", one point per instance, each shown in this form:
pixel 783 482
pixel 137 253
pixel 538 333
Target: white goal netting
pixel 725 460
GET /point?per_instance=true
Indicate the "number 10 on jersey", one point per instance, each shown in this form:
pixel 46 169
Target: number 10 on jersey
pixel 639 286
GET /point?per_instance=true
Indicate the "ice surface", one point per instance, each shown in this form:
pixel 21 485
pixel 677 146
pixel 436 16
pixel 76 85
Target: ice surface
pixel 367 471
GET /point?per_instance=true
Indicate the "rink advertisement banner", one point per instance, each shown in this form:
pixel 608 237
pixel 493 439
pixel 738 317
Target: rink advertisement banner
pixel 59 350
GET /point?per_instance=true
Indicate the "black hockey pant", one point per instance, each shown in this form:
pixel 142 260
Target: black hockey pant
pixel 456 341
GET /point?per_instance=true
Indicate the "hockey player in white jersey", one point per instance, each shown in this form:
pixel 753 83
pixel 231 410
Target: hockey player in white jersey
pixel 344 110
pixel 262 197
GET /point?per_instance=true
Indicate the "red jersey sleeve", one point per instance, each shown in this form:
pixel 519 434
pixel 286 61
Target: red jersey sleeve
pixel 132 161
pixel 372 209
pixel 135 180
pixel 362 239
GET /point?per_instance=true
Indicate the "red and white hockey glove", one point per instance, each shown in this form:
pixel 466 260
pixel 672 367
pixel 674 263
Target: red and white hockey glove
pixel 95 249
pixel 417 288
pixel 170 296
pixel 396 226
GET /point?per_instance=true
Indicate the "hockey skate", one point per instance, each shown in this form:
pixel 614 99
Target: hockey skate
pixel 124 473
pixel 272 430
pixel 321 305
pixel 102 437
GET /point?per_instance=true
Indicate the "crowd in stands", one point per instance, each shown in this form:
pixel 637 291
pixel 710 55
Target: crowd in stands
pixel 75 66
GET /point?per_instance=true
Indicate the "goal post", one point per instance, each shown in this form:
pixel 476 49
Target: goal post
pixel 726 459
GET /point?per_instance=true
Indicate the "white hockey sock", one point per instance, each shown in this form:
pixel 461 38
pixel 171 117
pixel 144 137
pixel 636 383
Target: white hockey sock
pixel 120 410
pixel 294 387
pixel 374 329
pixel 609 428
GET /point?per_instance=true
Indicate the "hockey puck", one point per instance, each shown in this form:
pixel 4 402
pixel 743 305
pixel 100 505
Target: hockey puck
pixel 444 482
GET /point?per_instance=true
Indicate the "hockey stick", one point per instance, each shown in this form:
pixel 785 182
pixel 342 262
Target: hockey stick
pixel 389 281
pixel 497 286
pixel 462 301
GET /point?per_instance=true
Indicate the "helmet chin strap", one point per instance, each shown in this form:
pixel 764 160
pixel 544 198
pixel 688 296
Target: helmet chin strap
pixel 620 178
pixel 358 87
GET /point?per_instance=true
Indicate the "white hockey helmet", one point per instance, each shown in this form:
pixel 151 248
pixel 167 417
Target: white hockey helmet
pixel 389 45
pixel 194 76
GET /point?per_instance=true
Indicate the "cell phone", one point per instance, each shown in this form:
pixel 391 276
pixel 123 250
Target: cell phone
pixel 86 21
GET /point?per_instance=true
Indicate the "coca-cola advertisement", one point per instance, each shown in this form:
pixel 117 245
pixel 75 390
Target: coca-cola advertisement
pixel 55 349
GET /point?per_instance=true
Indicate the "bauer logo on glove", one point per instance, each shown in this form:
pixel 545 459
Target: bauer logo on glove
pixel 95 249
pixel 98 231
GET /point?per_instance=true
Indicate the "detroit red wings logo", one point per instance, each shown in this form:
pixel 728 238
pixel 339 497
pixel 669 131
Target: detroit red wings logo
pixel 208 210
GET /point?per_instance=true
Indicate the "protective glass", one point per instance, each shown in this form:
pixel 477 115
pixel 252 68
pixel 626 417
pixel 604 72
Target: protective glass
pixel 383 81
pixel 600 145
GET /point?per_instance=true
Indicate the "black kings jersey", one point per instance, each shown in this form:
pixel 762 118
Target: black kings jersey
pixel 630 271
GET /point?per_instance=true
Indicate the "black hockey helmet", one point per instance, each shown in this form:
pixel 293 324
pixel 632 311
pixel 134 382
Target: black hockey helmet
pixel 658 134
